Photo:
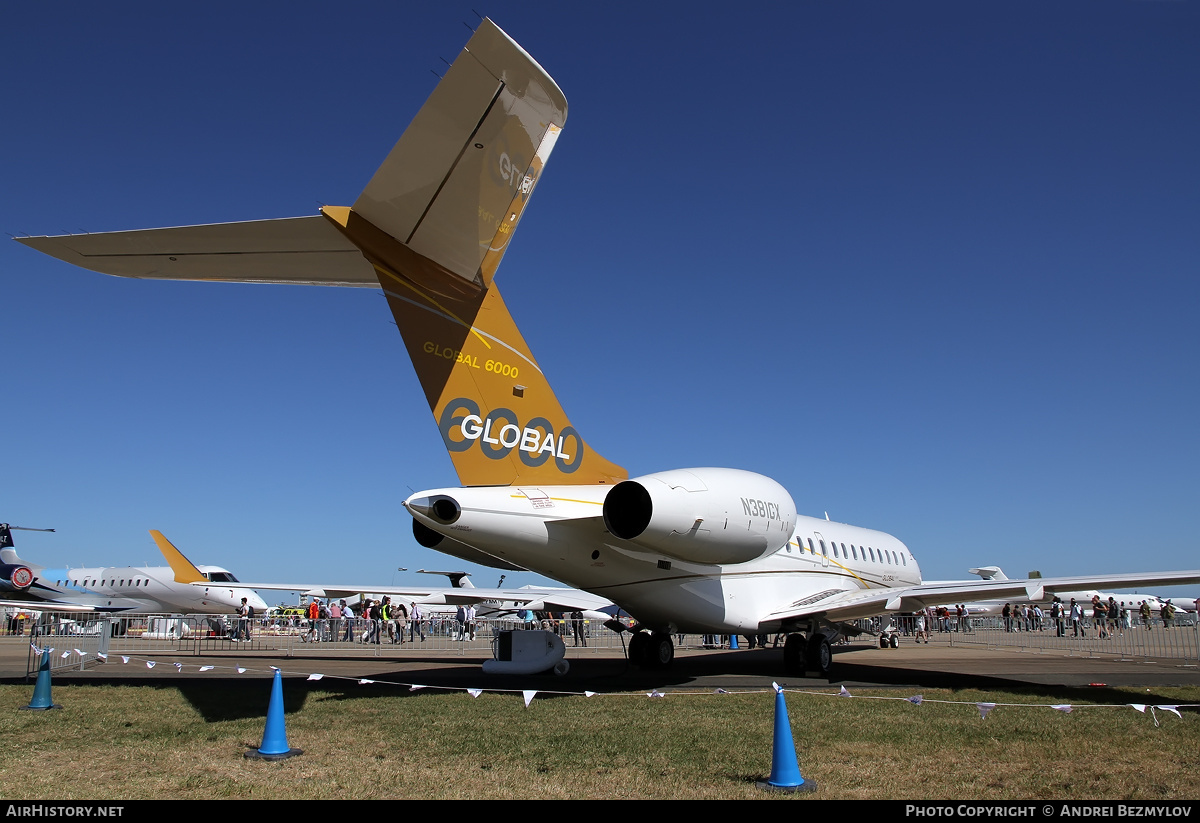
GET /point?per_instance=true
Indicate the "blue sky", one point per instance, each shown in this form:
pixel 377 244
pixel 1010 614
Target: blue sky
pixel 930 265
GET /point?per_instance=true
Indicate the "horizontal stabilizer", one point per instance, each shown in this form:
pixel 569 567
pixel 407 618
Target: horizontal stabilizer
pixel 294 250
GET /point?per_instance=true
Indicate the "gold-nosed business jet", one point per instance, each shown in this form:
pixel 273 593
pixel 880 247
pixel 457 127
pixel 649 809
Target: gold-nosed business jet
pixel 495 602
pixel 707 550
pixel 120 589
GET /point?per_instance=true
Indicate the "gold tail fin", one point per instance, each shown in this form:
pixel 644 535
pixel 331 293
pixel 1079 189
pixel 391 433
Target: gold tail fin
pixel 185 572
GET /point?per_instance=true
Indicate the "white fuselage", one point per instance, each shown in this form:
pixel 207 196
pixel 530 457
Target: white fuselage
pixel 564 537
pixel 145 590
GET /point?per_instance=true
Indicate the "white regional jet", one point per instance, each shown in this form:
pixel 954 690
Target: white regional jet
pixel 702 550
pixel 125 590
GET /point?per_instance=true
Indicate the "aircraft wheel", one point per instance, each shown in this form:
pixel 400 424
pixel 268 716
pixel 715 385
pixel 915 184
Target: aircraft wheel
pixel 561 668
pixel 820 656
pixel 894 642
pixel 637 648
pixel 661 651
pixel 793 654
pixel 883 641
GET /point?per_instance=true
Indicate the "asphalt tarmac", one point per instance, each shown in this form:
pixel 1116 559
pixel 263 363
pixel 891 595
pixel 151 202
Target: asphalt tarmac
pixel 934 665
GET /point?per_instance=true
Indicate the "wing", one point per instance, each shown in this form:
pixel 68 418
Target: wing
pixel 48 606
pixel 531 597
pixel 839 604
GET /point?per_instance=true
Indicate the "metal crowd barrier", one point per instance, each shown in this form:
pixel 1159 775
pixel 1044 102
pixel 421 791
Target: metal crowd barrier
pixel 79 640
pixel 1154 641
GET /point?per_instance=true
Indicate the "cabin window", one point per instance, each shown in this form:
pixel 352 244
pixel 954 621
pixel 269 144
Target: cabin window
pixel 903 560
pixel 811 548
pixel 823 552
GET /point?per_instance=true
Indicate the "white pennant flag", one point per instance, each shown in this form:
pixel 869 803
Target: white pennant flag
pixel 207 668
pixel 656 693
pixel 365 682
pixel 179 667
pixel 589 694
pixel 1066 708
pixel 124 658
pixel 415 687
pixel 1173 710
pixel 1141 707
pixel 36 650
pixel 275 668
pixel 916 699
pixel 844 692
pixel 722 691
pixel 776 687
pixel 240 670
pixel 315 676
pixel 103 657
pixel 984 708
pixel 66 654
pixel 149 664
pixel 80 653
pixel 474 692
pixel 529 695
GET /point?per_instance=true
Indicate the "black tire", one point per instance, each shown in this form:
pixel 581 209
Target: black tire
pixel 819 657
pixel 661 651
pixel 793 654
pixel 894 642
pixel 883 641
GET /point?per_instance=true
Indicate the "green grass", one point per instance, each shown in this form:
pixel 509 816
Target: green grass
pixel 139 742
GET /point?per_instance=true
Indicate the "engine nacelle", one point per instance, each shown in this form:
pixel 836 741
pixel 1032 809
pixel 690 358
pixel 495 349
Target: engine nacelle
pixel 15 578
pixel 702 515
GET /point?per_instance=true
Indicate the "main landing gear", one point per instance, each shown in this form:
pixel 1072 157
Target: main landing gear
pixel 801 656
pixel 651 650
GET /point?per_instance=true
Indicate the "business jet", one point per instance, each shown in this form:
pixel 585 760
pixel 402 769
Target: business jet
pixel 1131 601
pixel 125 589
pixel 698 550
pixel 497 602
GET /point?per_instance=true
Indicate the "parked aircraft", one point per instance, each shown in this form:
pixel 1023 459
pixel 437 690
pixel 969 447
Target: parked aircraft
pixel 1132 601
pixel 702 550
pixel 125 589
pixel 489 602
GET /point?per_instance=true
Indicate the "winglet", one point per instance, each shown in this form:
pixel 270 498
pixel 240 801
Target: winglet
pixel 185 572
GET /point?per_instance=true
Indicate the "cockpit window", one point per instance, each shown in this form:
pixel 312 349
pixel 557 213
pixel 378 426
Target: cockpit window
pixel 220 577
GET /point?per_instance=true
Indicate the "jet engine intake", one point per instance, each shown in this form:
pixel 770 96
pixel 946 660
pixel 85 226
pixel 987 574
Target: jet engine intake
pixel 709 515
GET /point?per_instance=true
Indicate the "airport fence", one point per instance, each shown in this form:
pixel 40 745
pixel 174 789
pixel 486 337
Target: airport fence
pixel 1153 641
pixel 82 640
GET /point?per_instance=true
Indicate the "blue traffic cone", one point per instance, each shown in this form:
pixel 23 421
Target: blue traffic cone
pixel 275 743
pixel 785 770
pixel 41 691
pixel 733 641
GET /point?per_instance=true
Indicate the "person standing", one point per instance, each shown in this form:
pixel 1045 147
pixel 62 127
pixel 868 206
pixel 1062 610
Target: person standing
pixel 577 628
pixel 1056 613
pixel 460 622
pixel 348 623
pixel 400 615
pixel 415 626
pixel 1076 616
pixel 470 621
pixel 243 625
pixel 1144 610
pixel 1100 616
